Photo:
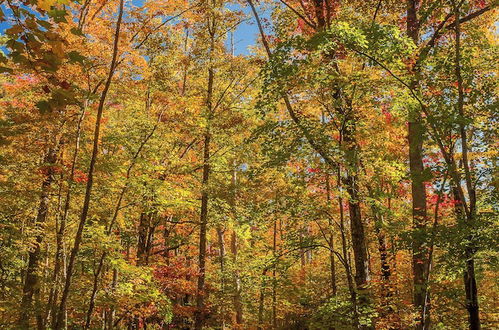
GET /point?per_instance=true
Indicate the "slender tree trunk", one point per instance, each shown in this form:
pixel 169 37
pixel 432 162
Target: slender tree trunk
pixel 31 283
pixel 470 284
pixel 199 317
pixel 356 225
pixel 261 302
pixel 142 233
pixel 88 190
pixel 221 245
pixel 331 241
pixel 199 320
pixel 238 306
pixel 91 304
pixel 383 254
pixel 383 251
pixel 236 282
pixel 274 277
pixel 419 214
pixel 348 270
pixel 112 312
pixel 52 304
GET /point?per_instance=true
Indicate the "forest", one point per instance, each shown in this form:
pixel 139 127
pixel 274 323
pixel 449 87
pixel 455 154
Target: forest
pixel 249 164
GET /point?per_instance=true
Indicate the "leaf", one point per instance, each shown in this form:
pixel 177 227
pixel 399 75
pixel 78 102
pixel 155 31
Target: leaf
pixel 75 57
pixel 16 29
pixel 44 24
pixel 4 69
pixel 76 31
pixel 44 106
pixel 58 15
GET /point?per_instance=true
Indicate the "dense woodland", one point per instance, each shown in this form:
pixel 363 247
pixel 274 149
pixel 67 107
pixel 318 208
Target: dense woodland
pixel 340 173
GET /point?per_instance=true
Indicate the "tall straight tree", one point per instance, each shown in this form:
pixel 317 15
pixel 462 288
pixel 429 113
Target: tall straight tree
pixel 420 257
pixel 211 27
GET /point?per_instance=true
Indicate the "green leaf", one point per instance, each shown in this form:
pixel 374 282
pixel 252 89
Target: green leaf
pixel 76 31
pixel 5 69
pixel 75 57
pixel 44 106
pixel 44 24
pixel 58 15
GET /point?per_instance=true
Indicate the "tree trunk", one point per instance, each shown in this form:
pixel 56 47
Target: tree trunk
pixel 261 301
pixel 236 282
pixel 356 226
pixel 348 270
pixel 274 277
pixel 420 258
pixel 199 317
pixel 31 283
pixel 331 241
pixel 238 307
pixel 91 305
pixel 142 233
pixel 221 245
pixel 470 284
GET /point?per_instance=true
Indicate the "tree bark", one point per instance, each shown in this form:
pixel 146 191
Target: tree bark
pixel 470 284
pixel 236 281
pixel 420 258
pixel 143 233
pixel 348 270
pixel 359 243
pixel 31 283
pixel 332 265
pixel 221 245
pixel 199 317
pixel 261 301
pixel 274 277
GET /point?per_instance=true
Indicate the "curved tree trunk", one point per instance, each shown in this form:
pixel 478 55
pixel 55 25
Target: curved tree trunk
pixel 88 190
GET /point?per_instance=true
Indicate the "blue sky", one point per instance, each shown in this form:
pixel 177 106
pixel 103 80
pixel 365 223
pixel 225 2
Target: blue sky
pixel 245 34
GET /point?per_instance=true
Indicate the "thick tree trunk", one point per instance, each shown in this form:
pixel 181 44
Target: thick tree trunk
pixel 31 283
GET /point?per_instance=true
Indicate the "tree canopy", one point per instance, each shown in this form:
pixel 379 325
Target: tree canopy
pixel 339 173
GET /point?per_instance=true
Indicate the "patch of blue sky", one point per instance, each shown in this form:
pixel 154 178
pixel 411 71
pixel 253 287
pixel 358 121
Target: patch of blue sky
pixel 246 33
